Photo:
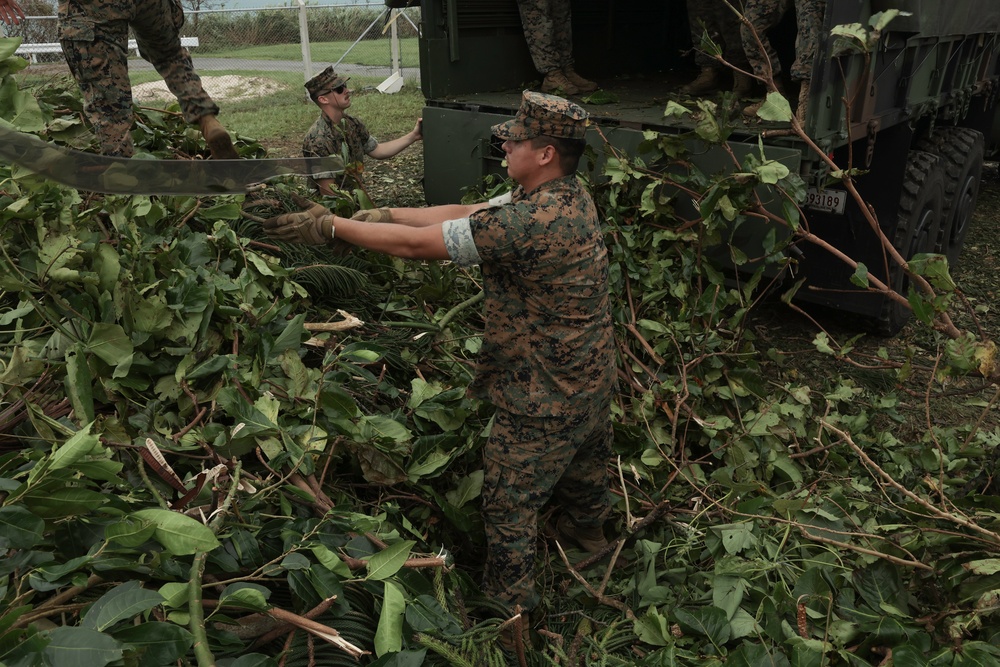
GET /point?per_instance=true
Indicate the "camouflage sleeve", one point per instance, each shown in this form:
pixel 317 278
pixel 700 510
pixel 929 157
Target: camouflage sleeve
pixel 371 144
pixel 499 231
pixel 459 243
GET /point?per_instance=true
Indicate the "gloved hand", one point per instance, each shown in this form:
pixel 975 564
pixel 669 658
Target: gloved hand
pixel 312 208
pixel 300 227
pixel 373 215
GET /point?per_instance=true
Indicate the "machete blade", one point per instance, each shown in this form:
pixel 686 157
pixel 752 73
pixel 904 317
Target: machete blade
pixel 133 176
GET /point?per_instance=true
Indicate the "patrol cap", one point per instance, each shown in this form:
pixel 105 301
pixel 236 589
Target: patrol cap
pixel 544 114
pixel 324 82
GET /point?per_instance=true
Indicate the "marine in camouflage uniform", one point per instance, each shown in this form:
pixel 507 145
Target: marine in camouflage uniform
pixel 335 133
pixel 764 15
pixel 548 30
pixel 94 39
pixel 547 361
pixel 548 357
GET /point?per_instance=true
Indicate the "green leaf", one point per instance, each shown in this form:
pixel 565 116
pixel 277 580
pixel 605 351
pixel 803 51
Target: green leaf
pixel 79 383
pixel 121 603
pixel 771 172
pixel 775 108
pixel 179 534
pixel 388 562
pixel 81 647
pixel 653 628
pixel 129 532
pixel 736 536
pixel 245 595
pixel 708 621
pixel 81 445
pixel 389 635
pixel 860 276
pixel 469 488
pixel 112 345
pixel 19 528
pixel 425 613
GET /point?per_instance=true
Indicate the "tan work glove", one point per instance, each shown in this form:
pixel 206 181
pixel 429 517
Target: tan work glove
pixel 373 215
pixel 300 227
pixel 312 208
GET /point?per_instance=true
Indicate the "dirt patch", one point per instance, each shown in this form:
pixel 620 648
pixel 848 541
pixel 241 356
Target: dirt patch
pixel 230 88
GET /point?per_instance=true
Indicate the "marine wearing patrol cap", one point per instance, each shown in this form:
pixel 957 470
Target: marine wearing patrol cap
pixel 544 114
pixel 324 82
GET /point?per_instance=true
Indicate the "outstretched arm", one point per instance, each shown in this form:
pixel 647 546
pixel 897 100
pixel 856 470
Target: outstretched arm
pixel 391 148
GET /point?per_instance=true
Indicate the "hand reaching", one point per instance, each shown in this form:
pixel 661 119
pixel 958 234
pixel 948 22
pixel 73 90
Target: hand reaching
pixel 301 227
pixel 373 215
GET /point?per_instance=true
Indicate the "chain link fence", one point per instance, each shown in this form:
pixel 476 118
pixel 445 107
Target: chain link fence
pixel 364 40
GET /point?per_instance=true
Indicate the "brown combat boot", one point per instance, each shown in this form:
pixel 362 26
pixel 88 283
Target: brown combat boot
pixel 742 85
pixel 218 140
pixel 752 109
pixel 706 82
pixel 591 540
pixel 556 82
pixel 583 85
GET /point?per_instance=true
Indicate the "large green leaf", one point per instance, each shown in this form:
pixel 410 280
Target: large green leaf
pixel 387 562
pixel 710 622
pixel 119 604
pixel 81 647
pixel 389 635
pixel 112 344
pixel 19 528
pixel 179 534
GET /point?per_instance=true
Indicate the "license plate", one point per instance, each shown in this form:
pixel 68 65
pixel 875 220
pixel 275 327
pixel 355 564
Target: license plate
pixel 831 201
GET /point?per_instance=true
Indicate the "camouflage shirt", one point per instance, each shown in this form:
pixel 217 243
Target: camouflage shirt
pixel 325 139
pixel 548 344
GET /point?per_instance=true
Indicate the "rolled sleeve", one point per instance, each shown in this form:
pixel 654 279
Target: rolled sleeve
pixel 459 243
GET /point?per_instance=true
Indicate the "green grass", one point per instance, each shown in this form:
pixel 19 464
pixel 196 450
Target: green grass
pixel 364 53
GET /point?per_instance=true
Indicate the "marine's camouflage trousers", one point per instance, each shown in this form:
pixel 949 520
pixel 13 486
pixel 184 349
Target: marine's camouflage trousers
pixel 764 15
pixel 94 38
pixel 528 461
pixel 549 33
pixel 723 26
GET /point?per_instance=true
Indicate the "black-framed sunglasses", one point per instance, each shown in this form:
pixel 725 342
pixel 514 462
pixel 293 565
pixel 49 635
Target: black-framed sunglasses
pixel 339 89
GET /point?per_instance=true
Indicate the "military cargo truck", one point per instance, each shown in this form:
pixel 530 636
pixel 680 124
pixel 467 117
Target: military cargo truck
pixel 920 127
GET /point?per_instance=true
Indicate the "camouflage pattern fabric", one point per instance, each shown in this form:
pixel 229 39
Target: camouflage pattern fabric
pixel 547 363
pixel 529 460
pixel 809 17
pixel 350 140
pixel 94 39
pixel 764 15
pixel 540 114
pixel 548 30
pixel 723 26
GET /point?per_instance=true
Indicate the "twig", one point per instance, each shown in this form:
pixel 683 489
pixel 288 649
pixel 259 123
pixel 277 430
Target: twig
pixel 599 596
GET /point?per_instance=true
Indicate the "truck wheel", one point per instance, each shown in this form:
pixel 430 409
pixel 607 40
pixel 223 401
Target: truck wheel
pixel 918 230
pixel 961 151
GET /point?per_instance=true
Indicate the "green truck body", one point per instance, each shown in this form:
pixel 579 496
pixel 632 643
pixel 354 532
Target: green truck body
pixel 922 119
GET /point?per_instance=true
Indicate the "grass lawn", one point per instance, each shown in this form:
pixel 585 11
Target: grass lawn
pixel 375 52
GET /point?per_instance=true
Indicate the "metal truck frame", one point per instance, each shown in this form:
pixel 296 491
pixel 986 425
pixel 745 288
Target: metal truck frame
pixel 923 117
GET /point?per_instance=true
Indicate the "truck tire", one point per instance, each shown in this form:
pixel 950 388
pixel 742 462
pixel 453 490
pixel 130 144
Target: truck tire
pixel 918 230
pixel 962 153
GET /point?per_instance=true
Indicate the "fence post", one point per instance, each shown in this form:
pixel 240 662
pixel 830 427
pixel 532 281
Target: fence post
pixel 394 40
pixel 304 40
